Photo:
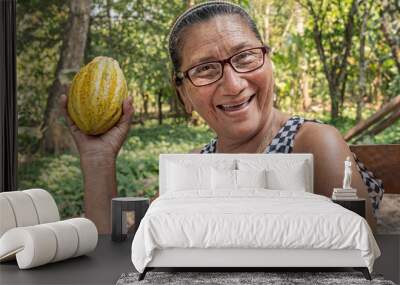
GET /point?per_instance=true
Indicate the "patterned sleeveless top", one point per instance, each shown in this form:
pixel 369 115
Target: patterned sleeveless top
pixel 283 143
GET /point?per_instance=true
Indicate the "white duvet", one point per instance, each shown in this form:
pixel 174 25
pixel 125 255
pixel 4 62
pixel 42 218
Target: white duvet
pixel 252 218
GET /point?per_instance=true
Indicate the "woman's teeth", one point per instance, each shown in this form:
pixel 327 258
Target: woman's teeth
pixel 230 108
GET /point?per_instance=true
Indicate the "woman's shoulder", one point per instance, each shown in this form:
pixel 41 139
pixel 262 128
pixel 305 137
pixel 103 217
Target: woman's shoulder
pixel 315 127
pixel 315 135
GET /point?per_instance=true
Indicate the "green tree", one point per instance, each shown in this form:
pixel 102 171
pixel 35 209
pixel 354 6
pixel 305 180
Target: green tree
pixel 333 30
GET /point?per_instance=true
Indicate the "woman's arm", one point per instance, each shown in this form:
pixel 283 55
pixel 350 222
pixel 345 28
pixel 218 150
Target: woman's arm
pixel 98 156
pixel 100 184
pixel 330 151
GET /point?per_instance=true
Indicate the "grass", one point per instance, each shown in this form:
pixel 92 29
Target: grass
pixel 137 164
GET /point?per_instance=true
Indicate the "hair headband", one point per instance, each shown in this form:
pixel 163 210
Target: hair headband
pixel 195 7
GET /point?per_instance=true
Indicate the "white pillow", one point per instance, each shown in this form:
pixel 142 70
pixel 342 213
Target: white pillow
pixel 223 179
pixel 292 178
pixel 251 178
pixel 188 177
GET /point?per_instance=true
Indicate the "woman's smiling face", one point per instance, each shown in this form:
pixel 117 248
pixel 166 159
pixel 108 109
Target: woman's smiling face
pixel 217 39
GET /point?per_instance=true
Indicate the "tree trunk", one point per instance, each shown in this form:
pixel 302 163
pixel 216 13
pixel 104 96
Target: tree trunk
pixel 362 64
pixel 389 121
pixel 389 18
pixel 334 66
pixel 189 4
pixel 359 108
pixel 159 105
pixel 362 126
pixel 266 22
pixel 145 98
pixel 334 95
pixel 88 47
pixel 304 79
pixel 55 135
pixel 109 22
pixel 305 90
pixel 377 83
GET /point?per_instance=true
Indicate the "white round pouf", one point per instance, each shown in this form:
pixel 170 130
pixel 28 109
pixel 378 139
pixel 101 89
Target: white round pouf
pixel 67 239
pixel 45 205
pixel 7 218
pixel 33 246
pixel 87 234
pixel 23 208
pixel 31 230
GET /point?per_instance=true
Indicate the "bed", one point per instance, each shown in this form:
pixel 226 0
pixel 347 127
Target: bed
pixel 247 210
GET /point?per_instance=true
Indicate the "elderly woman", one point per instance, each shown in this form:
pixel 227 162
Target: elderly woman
pixel 223 71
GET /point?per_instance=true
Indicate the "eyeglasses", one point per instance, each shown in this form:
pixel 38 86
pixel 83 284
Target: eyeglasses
pixel 242 62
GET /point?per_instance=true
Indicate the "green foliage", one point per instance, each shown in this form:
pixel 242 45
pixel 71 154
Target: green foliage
pixel 390 135
pixel 135 33
pixel 137 38
pixel 137 164
pixel 40 26
pixel 61 176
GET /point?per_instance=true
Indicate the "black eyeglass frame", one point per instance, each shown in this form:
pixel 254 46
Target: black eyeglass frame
pixel 185 74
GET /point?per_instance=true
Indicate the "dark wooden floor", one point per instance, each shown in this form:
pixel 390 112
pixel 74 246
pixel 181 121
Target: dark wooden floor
pixel 389 262
pixel 110 260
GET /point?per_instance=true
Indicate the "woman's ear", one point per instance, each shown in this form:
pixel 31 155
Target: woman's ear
pixel 183 97
pixel 185 100
pixel 181 94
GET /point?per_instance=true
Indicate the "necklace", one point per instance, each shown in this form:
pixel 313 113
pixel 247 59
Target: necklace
pixel 263 145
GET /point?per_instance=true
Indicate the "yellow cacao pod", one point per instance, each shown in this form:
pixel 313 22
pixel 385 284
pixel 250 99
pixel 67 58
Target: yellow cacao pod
pixel 96 96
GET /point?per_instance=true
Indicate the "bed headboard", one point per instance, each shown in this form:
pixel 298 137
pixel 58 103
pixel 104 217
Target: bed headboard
pixel 231 160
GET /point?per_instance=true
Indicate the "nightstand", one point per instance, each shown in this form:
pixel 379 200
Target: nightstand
pixel 127 213
pixel 357 206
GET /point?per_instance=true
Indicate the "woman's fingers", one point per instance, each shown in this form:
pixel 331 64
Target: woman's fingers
pixel 75 131
pixel 127 114
pixel 117 134
pixel 124 122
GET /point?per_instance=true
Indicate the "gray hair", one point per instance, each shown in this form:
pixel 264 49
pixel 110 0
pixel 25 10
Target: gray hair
pixel 200 13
